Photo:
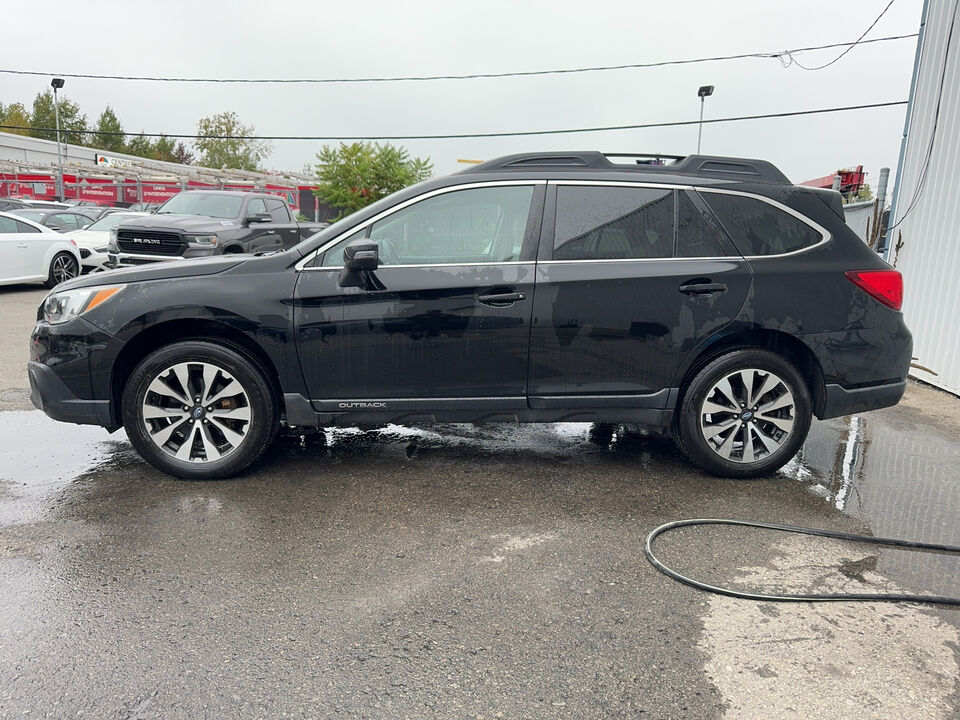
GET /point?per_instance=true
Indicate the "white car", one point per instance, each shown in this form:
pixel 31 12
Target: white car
pixel 93 239
pixel 30 252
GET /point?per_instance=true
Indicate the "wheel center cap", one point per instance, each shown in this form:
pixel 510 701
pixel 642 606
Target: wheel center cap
pixel 746 415
pixel 197 412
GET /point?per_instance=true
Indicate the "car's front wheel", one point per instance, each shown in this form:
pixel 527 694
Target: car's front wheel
pixel 63 267
pixel 745 414
pixel 199 410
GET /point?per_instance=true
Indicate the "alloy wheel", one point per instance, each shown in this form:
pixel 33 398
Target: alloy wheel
pixel 64 268
pixel 196 412
pixel 747 415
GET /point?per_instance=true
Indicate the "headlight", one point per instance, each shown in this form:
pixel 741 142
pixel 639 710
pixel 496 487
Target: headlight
pixel 62 306
pixel 112 244
pixel 201 239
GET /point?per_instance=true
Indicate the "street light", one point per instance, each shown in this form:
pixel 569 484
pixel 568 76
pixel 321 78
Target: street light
pixel 703 93
pixel 56 84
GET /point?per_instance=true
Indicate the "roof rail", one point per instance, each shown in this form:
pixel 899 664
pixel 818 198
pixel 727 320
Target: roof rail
pixel 726 168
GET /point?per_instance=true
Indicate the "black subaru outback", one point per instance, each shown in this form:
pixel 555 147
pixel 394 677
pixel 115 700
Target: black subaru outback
pixel 709 298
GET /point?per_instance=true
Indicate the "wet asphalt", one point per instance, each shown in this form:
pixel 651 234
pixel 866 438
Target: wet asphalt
pixel 453 571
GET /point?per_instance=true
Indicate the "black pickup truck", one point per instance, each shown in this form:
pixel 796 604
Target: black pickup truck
pixel 200 223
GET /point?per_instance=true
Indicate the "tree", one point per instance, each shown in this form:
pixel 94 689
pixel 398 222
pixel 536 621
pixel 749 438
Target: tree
pixel 182 155
pixel 108 122
pixel 16 114
pixel 165 149
pixel 238 150
pixel 352 176
pixel 73 125
pixel 142 146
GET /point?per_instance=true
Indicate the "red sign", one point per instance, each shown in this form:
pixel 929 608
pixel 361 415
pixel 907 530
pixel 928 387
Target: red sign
pixel 99 193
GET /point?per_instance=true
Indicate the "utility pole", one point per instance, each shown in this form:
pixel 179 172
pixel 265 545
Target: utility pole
pixel 703 93
pixel 56 84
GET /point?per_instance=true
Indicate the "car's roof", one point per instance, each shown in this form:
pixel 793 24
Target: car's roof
pixel 652 167
pixel 225 192
pixel 20 218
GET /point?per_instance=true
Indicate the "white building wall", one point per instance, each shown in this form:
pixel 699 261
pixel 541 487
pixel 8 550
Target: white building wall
pixel 925 245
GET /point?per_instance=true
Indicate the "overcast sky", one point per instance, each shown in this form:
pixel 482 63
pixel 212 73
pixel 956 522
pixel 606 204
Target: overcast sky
pixel 344 39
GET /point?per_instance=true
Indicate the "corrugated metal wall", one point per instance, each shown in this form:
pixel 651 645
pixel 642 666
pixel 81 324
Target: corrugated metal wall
pixel 926 246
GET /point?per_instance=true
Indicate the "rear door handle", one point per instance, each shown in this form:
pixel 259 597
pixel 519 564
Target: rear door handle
pixel 501 299
pixel 702 288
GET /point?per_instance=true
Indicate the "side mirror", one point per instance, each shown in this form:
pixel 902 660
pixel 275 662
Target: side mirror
pixel 359 257
pixel 55 227
pixel 257 218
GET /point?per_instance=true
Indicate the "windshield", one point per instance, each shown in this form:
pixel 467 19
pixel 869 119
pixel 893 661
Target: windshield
pixel 109 222
pixel 198 203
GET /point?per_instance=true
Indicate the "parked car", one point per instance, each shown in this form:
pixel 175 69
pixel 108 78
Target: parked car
pixel 203 223
pixel 96 212
pixel 7 204
pixel 30 252
pixel 710 299
pixel 59 220
pixel 94 239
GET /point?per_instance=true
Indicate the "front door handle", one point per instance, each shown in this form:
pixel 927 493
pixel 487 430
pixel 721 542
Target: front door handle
pixel 501 299
pixel 702 287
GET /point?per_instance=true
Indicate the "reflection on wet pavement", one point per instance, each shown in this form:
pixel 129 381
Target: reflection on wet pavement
pixel 39 456
pixel 901 479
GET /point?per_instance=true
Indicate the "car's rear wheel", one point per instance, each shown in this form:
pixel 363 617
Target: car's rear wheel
pixel 745 414
pixel 199 410
pixel 63 267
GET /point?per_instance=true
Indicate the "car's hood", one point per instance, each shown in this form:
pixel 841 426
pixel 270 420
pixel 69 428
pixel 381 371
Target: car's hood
pixel 193 267
pixel 90 238
pixel 189 223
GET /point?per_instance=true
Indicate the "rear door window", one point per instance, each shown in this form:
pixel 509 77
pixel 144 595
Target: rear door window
pixel 759 228
pixel 698 235
pixel 613 223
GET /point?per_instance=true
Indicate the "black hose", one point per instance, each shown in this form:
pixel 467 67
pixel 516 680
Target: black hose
pixel 874 597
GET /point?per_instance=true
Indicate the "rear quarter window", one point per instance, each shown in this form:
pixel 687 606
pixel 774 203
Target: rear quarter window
pixel 758 228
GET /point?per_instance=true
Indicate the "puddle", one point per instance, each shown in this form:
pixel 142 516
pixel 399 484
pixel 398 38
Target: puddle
pixel 901 479
pixel 39 456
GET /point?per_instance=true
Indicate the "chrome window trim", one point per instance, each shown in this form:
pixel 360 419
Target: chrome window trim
pixel 301 264
pixel 732 258
pixel 433 265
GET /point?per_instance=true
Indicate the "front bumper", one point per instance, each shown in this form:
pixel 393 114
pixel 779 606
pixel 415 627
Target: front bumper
pixel 122 259
pixel 841 401
pixel 71 372
pixel 51 395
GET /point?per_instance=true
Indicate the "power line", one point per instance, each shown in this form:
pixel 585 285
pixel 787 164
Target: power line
pixel 564 131
pixel 860 40
pixel 472 76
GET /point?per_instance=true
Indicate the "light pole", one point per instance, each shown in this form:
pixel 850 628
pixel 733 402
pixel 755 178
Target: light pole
pixel 56 84
pixel 703 93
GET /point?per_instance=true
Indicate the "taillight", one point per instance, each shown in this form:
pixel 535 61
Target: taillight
pixel 885 286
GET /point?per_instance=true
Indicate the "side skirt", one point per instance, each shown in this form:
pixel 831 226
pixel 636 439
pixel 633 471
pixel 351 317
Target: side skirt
pixel 648 410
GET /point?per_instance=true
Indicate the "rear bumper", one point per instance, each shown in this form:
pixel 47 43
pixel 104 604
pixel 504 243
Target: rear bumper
pixel 841 401
pixel 51 395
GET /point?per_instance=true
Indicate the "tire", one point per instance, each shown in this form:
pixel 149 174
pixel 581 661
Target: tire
pixel 234 423
pixel 63 267
pixel 741 439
